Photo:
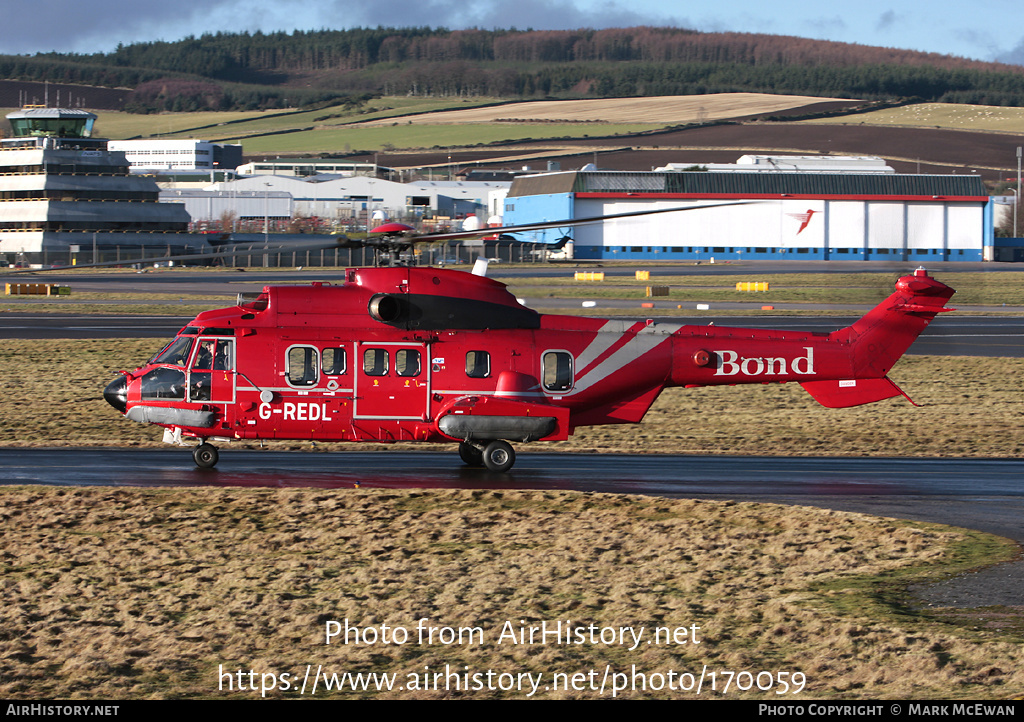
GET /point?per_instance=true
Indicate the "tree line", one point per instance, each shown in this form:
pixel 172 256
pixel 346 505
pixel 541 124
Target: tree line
pixel 222 71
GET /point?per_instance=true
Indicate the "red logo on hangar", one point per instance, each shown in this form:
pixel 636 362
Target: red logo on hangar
pixel 804 218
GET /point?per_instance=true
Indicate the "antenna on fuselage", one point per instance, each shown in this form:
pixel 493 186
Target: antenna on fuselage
pixel 480 267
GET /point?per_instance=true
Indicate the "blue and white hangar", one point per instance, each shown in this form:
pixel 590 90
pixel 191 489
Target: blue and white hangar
pixel 761 215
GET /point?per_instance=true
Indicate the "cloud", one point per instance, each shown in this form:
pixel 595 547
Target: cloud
pixel 1014 56
pixel 885 21
pixel 487 14
pixel 67 26
pixel 823 27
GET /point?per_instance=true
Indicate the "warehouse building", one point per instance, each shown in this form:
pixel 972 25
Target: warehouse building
pixel 178 155
pixel 777 215
pixel 331 198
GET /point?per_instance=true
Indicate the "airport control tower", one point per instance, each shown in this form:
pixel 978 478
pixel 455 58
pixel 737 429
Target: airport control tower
pixel 68 198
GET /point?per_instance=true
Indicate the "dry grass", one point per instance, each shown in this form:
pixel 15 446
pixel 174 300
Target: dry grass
pixel 867 288
pixel 939 115
pixel 128 593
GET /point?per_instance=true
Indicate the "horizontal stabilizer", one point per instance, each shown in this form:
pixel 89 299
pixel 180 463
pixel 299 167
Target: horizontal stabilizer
pixel 852 392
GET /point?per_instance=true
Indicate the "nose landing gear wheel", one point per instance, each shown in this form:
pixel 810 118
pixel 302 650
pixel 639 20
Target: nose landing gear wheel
pixel 499 456
pixel 205 456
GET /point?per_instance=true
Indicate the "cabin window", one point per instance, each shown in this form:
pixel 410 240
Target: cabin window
pixel 301 366
pixel 478 364
pixel 335 362
pixel 375 362
pixel 557 371
pixel 407 362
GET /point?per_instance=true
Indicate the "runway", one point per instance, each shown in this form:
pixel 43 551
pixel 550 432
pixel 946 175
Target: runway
pixel 875 482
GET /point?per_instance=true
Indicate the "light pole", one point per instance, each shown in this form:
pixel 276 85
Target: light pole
pixel 266 214
pixel 266 225
pixel 1016 202
pixel 1016 198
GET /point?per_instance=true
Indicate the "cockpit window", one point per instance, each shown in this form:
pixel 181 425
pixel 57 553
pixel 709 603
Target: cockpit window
pixel 204 356
pixel 163 383
pixel 176 353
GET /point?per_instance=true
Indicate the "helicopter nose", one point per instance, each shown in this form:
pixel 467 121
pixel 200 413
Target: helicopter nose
pixel 116 393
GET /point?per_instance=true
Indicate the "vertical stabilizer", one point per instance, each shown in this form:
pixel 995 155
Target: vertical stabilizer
pixel 880 338
pixel 885 333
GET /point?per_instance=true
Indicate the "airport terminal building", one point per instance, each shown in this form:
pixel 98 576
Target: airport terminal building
pixel 64 192
pixel 771 215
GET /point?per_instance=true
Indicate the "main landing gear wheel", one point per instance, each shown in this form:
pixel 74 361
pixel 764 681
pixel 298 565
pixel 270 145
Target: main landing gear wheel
pixel 471 454
pixel 499 456
pixel 205 456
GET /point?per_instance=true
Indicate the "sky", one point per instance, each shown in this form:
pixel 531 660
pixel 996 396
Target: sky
pixel 940 26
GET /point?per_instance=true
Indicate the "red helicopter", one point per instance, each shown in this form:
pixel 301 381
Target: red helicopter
pixel 399 354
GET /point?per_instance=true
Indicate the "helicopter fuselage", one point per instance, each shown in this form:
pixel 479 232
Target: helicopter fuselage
pixel 431 355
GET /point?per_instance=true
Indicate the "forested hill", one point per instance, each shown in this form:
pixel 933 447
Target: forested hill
pixel 248 70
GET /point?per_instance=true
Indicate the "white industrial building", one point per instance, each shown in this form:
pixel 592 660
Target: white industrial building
pixel 305 167
pixel 337 198
pixel 177 155
pixel 242 205
pixel 792 164
pixel 762 215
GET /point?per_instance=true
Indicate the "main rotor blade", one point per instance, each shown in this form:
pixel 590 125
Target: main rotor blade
pixel 237 249
pixel 434 237
pixel 385 242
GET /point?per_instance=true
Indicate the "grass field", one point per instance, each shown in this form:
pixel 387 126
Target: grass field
pixel 411 136
pixel 984 289
pixel 117 125
pixel 171 593
pixel 660 110
pixel 408 123
pixel 465 126
pixel 940 115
